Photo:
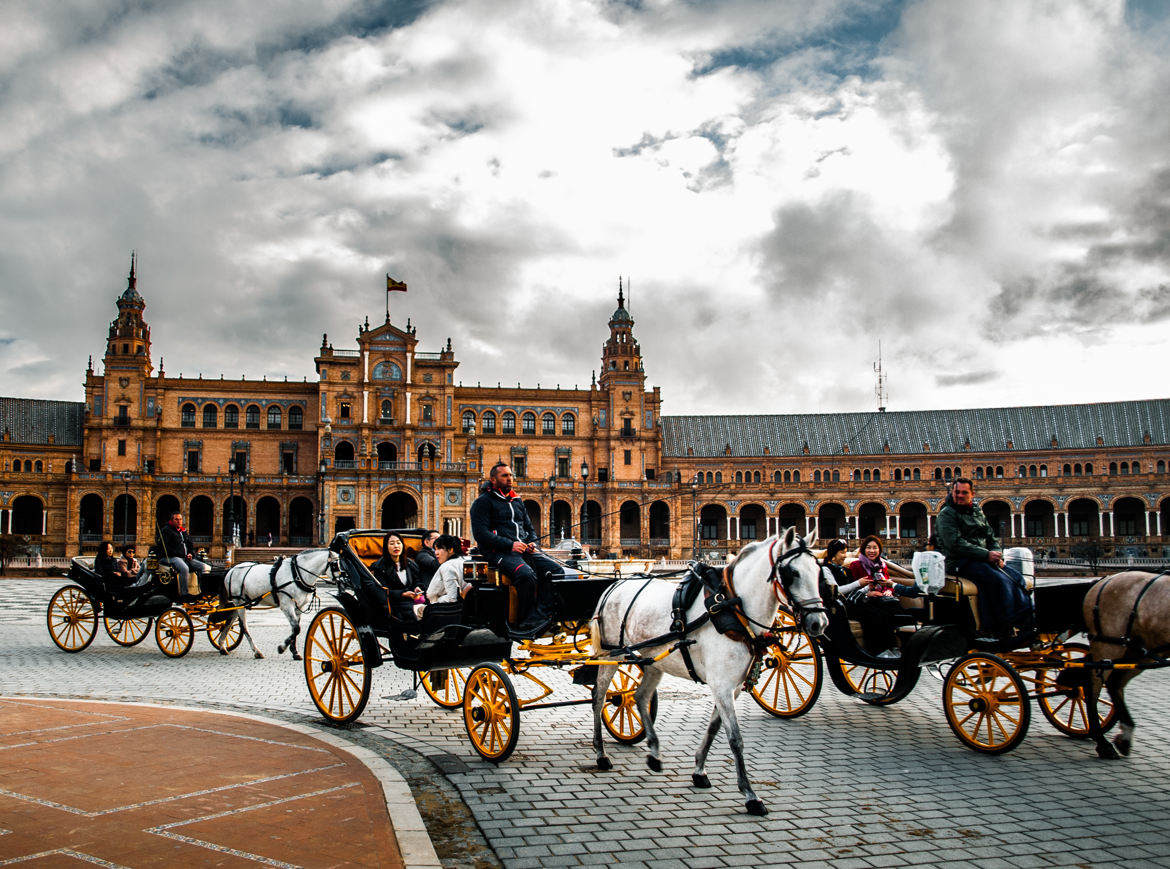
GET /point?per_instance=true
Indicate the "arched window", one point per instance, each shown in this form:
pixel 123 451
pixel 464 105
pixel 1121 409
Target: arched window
pixel 836 476
pixel 568 424
pixel 1161 466
pixel 710 477
pixel 877 473
pixel 946 473
pixel 1044 470
pixel 1078 470
pixel 210 415
pixel 999 472
pixel 1067 470
pixel 252 416
pixel 788 476
pixel 1031 470
pixel 718 476
pixel 37 466
pixel 296 419
pixel 468 420
pixel 528 423
pixel 1088 467
pixel 509 423
pixel 489 422
pixel 275 417
pixel 856 474
pixel 938 473
pixel 1022 471
pixel 16 466
pixel 979 473
pixel 188 417
pixel 739 476
pixel 897 475
pixel 27 466
pixel 865 475
pixel 548 424
pixel 1125 468
pixel 917 474
pixel 776 477
pixel 1113 469
pixel 796 476
pixel 231 416
pixel 756 476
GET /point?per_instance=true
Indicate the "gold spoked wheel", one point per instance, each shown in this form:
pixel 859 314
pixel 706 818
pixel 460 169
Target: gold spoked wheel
pixel 127 632
pixel 986 703
pixel 335 670
pixel 491 712
pixel 174 632
pixel 72 619
pixel 620 712
pixel 231 640
pixel 867 680
pixel 790 675
pixel 445 687
pixel 1065 707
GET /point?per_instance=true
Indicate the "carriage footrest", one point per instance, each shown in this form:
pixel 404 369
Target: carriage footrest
pixel 586 674
pixel 371 651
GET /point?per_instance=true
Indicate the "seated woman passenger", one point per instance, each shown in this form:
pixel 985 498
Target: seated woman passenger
pixel 834 564
pixel 106 565
pixel 397 588
pixel 873 598
pixel 447 584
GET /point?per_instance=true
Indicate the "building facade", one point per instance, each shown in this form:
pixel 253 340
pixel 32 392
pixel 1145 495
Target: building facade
pixel 388 437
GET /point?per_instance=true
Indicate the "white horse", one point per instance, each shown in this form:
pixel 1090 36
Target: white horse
pixel 638 610
pixel 290 584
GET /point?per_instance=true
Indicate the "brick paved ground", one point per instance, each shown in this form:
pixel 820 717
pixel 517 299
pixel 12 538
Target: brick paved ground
pixel 847 783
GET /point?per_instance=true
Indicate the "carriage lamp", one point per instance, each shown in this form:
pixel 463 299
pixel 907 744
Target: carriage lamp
pixel 126 508
pixel 231 523
pixel 552 500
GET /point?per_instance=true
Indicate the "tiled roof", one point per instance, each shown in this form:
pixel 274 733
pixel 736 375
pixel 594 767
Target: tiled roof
pixel 32 420
pixel 1074 426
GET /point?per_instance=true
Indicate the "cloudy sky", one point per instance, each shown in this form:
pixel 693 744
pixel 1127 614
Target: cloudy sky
pixel 983 187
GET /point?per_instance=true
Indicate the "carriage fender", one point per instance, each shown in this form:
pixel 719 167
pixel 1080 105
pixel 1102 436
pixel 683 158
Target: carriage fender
pixel 934 643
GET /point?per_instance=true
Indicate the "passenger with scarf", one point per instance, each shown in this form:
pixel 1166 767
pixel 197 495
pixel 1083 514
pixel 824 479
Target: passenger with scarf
pixel 872 598
pixel 504 534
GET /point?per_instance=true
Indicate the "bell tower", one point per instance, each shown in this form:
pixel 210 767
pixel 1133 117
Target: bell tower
pixel 621 357
pixel 128 344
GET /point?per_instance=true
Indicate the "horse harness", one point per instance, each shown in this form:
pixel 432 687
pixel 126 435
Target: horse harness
pixel 1132 643
pixel 722 606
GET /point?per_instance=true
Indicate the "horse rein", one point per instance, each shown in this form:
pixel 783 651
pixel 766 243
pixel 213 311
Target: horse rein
pixel 783 574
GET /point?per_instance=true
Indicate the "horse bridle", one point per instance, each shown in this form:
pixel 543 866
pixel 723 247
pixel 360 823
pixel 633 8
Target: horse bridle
pixel 783 575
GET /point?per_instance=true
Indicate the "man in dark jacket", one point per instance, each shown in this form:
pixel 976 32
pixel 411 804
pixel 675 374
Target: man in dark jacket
pixel 180 554
pixel 428 564
pixel 504 533
pixel 972 551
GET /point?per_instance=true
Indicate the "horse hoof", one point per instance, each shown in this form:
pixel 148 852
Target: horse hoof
pixel 296 657
pixel 1106 751
pixel 222 650
pixel 603 764
pixel 258 655
pixel 755 807
pixel 654 764
pixel 1123 745
pixel 280 650
pixel 700 781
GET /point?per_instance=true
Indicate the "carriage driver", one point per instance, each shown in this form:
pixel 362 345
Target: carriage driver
pixel 972 551
pixel 178 552
pixel 504 533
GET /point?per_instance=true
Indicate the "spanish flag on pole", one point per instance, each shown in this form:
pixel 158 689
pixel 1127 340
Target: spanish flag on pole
pixel 392 286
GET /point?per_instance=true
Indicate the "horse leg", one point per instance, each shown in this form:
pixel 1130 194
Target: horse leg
pixel 243 615
pixel 699 775
pixel 725 704
pixel 604 677
pixel 1115 685
pixel 289 608
pixel 642 696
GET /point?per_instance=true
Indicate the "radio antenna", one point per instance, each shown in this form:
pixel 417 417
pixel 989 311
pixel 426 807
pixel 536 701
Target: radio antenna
pixel 880 387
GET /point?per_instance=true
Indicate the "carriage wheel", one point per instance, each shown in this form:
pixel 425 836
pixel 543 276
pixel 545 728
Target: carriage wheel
pixel 790 675
pixel 72 619
pixel 127 632
pixel 174 632
pixel 871 682
pixel 335 670
pixel 986 703
pixel 491 712
pixel 233 638
pixel 620 712
pixel 445 687
pixel 1065 708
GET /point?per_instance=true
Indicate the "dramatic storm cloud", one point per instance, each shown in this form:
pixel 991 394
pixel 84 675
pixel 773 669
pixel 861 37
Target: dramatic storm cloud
pixel 982 187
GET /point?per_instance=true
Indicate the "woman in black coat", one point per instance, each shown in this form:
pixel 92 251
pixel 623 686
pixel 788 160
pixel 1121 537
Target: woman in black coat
pixel 398 583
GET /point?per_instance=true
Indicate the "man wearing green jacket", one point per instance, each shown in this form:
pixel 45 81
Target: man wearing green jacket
pixel 973 552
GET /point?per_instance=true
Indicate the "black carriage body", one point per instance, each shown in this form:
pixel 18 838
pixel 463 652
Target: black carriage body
pixel 121 603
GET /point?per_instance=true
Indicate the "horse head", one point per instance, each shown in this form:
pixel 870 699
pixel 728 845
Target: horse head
pixel 797 572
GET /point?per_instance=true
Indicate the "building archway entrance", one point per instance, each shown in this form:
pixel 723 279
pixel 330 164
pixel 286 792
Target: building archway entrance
pixel 399 510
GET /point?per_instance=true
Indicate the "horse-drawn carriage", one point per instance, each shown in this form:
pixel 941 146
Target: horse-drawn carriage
pixel 156 597
pixel 463 654
pixel 987 684
pixel 129 610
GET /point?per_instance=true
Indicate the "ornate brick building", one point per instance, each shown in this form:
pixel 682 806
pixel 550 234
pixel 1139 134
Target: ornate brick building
pixel 387 436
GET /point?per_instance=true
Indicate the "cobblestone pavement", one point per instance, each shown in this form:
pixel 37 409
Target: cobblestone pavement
pixel 855 785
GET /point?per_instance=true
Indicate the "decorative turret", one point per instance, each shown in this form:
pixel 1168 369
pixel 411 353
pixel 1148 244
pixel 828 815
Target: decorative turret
pixel 621 357
pixel 128 344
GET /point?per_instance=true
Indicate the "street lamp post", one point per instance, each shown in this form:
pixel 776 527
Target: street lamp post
pixel 694 523
pixel 231 517
pixel 322 468
pixel 126 507
pixel 552 503
pixel 243 507
pixel 585 503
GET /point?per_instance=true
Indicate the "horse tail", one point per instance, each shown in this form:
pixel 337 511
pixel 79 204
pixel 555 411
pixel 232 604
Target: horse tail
pixel 595 637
